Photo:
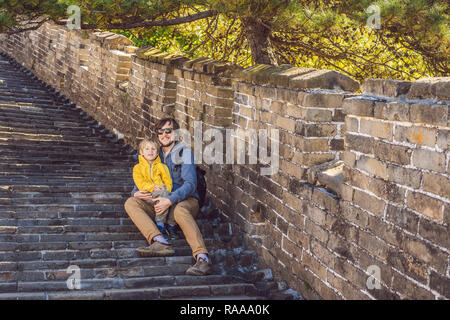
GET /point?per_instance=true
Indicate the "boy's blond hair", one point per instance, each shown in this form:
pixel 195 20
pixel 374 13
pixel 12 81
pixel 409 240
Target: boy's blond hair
pixel 145 142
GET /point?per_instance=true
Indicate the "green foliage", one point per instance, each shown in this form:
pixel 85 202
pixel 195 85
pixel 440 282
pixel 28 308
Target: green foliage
pixel 413 41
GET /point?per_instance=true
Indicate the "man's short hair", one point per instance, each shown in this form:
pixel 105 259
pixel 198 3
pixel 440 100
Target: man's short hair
pixel 163 121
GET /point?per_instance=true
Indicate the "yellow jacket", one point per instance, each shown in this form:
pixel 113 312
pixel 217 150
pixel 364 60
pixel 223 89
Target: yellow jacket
pixel 146 181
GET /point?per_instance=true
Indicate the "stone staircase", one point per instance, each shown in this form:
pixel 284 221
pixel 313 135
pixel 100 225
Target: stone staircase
pixel 63 182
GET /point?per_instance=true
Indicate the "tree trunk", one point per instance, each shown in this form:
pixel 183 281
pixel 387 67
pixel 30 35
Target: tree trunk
pixel 257 36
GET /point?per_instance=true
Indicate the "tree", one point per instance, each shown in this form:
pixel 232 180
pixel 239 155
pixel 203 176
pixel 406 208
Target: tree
pixel 412 41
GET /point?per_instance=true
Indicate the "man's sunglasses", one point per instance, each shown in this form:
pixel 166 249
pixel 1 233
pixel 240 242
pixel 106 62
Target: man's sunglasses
pixel 166 130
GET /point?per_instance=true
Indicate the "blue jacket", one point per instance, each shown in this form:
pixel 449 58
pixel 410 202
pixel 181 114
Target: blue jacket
pixel 182 168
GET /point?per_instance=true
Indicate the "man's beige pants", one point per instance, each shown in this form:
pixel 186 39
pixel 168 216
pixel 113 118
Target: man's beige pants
pixel 184 213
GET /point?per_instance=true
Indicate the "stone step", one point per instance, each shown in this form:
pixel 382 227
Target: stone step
pixel 55 190
pixel 236 291
pixel 17 112
pixel 110 157
pixel 177 281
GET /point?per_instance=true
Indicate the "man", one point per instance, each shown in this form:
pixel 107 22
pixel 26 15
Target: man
pixel 183 202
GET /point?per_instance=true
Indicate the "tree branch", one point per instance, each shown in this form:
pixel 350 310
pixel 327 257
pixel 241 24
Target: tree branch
pixel 151 23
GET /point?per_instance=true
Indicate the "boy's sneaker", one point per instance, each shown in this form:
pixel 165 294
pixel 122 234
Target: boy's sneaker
pixel 156 249
pixel 161 227
pixel 172 232
pixel 200 268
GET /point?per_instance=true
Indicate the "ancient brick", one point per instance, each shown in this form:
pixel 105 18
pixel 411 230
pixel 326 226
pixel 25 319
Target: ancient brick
pixel 286 123
pixel 359 143
pixel 373 245
pixel 392 153
pixel 426 113
pixel 403 218
pixel 351 124
pixel 354 214
pixel 422 203
pixel 416 135
pixel 358 107
pixel 379 129
pixel 436 184
pixel 406 287
pixel 435 232
pixel 316 231
pixel 369 203
pixel 404 176
pixel 372 166
pixel 322 100
pixel 426 252
pixel 396 111
pixel 312 264
pixel 440 284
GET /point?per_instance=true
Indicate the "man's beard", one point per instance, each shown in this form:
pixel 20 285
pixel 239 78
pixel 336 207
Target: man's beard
pixel 168 144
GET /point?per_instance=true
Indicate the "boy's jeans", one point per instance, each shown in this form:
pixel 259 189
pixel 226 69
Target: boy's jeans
pixel 163 216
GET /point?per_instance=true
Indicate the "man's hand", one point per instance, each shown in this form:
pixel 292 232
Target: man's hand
pixel 161 204
pixel 143 195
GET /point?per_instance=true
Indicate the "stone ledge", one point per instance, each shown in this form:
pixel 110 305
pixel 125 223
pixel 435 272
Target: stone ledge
pixel 298 78
pixel 327 175
pixel 386 87
pixel 436 89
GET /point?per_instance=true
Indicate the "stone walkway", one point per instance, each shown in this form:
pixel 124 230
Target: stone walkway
pixel 63 182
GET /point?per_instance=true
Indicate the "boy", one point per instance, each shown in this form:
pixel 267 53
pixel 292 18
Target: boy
pixel 151 175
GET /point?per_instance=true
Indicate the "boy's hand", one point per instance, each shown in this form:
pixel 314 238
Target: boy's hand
pixel 143 195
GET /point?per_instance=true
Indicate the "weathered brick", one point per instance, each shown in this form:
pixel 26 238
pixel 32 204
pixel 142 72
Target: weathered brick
pixel 372 166
pixel 408 265
pixel 354 214
pixel 316 231
pixel 426 205
pixel 440 284
pixel 392 153
pixel 426 113
pixel 375 246
pixel 312 264
pixel 358 106
pixel 407 288
pixel 426 252
pixel 436 184
pixel 322 100
pixel 286 123
pixel 430 160
pixel 345 287
pixel 404 176
pixel 416 135
pixel 403 218
pixel 369 203
pixel 298 237
pixel 351 124
pixel 396 111
pixel 379 129
pixel 387 232
pixel 435 232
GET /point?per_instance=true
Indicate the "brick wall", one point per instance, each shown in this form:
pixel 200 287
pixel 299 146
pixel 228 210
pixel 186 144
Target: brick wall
pixel 363 179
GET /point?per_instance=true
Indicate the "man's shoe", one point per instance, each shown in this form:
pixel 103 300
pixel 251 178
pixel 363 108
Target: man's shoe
pixel 200 268
pixel 172 232
pixel 156 249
